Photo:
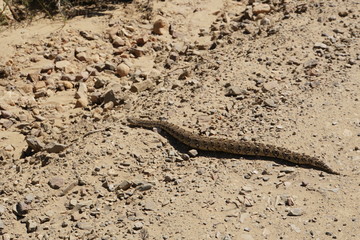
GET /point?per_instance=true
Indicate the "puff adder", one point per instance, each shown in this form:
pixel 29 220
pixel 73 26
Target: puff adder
pixel 240 147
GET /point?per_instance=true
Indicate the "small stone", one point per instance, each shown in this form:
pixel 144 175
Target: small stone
pixel 142 86
pixel 246 189
pixel 295 228
pixel 320 45
pixel 33 77
pixel 124 185
pixel 295 212
pixel 288 170
pixel 246 237
pixel 22 208
pixel 2 225
pixel 122 69
pixel 55 147
pixel 56 182
pixel 311 63
pixel 138 226
pixel 149 206
pixel 144 187
pixel 261 8
pixel 193 152
pixel 35 144
pixel 2 210
pixel 343 13
pixel 118 42
pixel 39 85
pixel 82 56
pixel 81 102
pixel 5 71
pixel 67 84
pixel 46 69
pixel 31 226
pixel 61 65
pixel 270 103
pixel 235 91
pixel 110 66
pixel 80 50
pixel 270 86
pixel 138 52
pixel 84 225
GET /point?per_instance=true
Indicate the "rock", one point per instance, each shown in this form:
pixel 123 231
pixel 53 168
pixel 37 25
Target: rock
pixel 31 226
pixel 124 185
pixel 193 152
pixel 82 76
pixel 118 42
pixel 67 84
pixel 138 52
pixel 122 69
pixel 261 8
pixel 319 45
pixel 33 77
pixel 5 71
pixel 288 170
pixel 61 65
pixel 144 187
pixel 2 210
pixel 39 85
pixel 246 237
pixel 56 182
pixel 142 86
pixel 84 225
pixel 2 226
pixel 270 103
pixel 55 147
pixel 295 212
pixel 109 66
pixel 82 56
pixel 311 63
pixel 22 208
pixel 35 144
pixel 87 35
pixel 235 91
pixel 82 102
pixel 343 13
pixel 270 86
pixel 149 206
pixel 159 27
pixel 46 69
pixel 80 50
pixel 138 226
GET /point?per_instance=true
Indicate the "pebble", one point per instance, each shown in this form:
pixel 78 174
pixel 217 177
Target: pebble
pixel 56 182
pixel 138 226
pixel 246 237
pixel 61 65
pixel 193 152
pixel 84 225
pixel 31 226
pixel 295 212
pixel 261 8
pixel 142 86
pixel 122 69
pixel 82 56
pixel 55 147
pixel 270 103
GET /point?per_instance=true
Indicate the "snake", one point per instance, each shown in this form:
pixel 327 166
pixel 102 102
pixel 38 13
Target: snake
pixel 227 145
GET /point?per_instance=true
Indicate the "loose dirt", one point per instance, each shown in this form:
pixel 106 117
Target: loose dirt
pixel 278 72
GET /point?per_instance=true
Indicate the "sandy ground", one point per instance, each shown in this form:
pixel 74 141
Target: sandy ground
pixel 279 72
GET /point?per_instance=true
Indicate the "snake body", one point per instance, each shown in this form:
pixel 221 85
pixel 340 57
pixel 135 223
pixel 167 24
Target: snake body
pixel 240 147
